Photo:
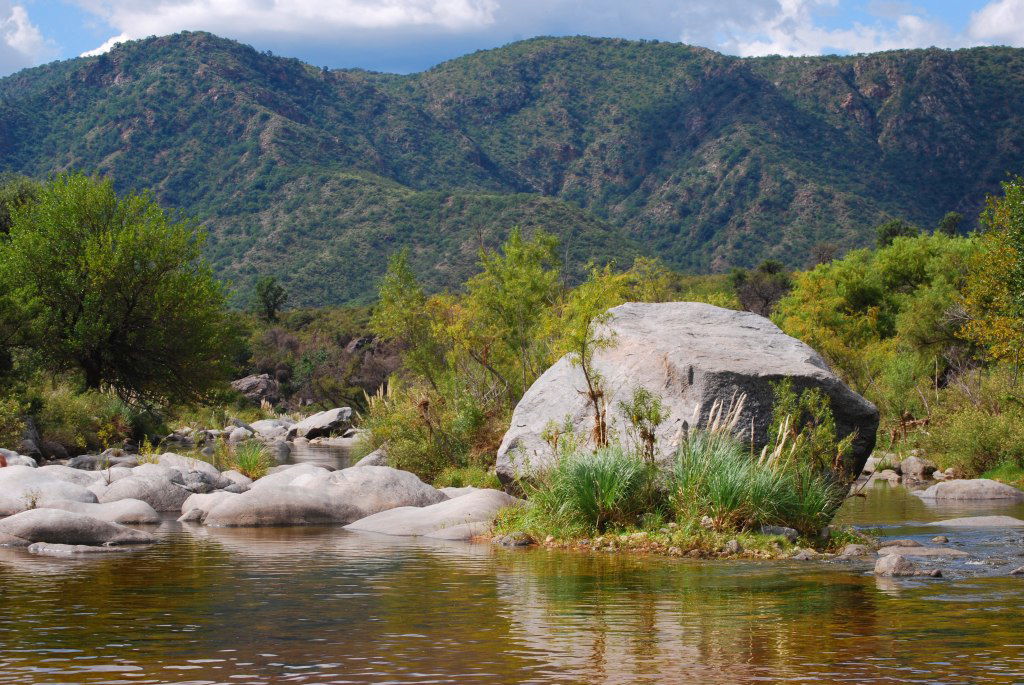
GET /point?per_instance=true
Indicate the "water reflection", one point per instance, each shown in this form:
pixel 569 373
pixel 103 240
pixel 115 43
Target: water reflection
pixel 320 605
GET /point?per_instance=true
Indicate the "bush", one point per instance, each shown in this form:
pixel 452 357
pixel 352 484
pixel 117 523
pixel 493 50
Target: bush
pixel 82 421
pixel 467 476
pixel 251 459
pixel 11 422
pixel 592 491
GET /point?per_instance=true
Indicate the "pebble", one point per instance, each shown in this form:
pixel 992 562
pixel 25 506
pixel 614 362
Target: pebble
pixel 1017 571
pixel 940 539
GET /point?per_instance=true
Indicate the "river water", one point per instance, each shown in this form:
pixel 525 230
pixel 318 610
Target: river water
pixel 321 605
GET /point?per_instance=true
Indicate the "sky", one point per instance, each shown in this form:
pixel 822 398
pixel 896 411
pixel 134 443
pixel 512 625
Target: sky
pixel 411 35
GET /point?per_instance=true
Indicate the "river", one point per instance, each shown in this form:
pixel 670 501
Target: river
pixel 321 605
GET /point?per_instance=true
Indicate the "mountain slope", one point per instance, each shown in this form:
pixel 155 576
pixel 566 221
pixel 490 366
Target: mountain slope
pixel 705 160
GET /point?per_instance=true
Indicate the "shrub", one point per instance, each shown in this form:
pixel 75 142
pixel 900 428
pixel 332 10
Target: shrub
pixel 467 476
pixel 82 421
pixel 591 491
pixel 11 422
pixel 251 459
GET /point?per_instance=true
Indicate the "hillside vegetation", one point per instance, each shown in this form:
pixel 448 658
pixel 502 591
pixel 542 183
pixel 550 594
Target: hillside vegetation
pixel 618 147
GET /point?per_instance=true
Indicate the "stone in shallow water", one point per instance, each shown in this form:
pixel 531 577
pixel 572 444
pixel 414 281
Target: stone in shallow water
pixel 126 511
pixel 854 550
pixel 980 522
pixel 48 549
pixel 455 519
pixel 159 493
pixel 281 506
pixel 64 527
pixel 921 551
pixel 895 566
pixel 974 489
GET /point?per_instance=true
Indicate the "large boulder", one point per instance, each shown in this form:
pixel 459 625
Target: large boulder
pixel 281 506
pixel 126 511
pixel 324 423
pixel 284 475
pixel 159 493
pixel 24 487
pixel 455 519
pixel 258 387
pixel 973 489
pixel 65 528
pixel 692 355
pixel 373 488
pixel 271 429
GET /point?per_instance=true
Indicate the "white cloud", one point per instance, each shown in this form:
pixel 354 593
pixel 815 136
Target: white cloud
pixel 21 43
pixel 999 22
pixel 794 27
pixel 297 18
pixel 107 45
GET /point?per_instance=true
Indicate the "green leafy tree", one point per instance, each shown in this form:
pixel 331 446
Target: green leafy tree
pixel 896 228
pixel 115 288
pixel 950 223
pixel 402 315
pixel 270 297
pixel 15 191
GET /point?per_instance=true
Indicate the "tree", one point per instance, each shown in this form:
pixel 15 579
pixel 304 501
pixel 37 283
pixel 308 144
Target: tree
pixel 897 228
pixel 950 223
pixel 760 289
pixel 15 191
pixel 994 293
pixel 270 297
pixel 117 289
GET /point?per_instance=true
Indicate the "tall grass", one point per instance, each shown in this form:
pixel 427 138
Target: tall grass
pixel 252 459
pixel 716 476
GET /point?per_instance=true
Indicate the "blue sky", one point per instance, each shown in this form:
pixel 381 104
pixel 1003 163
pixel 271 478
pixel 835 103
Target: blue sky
pixel 410 35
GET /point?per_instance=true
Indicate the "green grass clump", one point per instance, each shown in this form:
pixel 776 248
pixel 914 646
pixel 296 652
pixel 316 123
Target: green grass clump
pixel 1009 472
pixel 252 459
pixel 467 476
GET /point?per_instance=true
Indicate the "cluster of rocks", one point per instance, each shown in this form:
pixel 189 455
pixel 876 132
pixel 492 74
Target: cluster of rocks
pixel 912 470
pixel 929 483
pixel 63 510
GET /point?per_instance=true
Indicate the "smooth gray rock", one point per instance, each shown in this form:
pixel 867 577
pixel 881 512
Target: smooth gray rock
pixel 97 462
pixel 66 528
pixel 324 423
pixel 271 429
pixel 371 489
pixel 126 511
pixel 917 468
pixel 66 473
pixel 854 550
pixel 159 471
pixel 975 489
pixel 454 519
pixel 281 506
pixel 278 476
pixel 895 566
pixel 692 355
pixel 15 459
pixel 237 477
pixel 159 493
pixel 378 457
pixel 980 522
pixel 192 516
pixel 452 493
pixel 205 502
pixel 239 435
pixel 790 534
pixel 25 487
pixel 258 387
pixel 47 549
pixel 922 551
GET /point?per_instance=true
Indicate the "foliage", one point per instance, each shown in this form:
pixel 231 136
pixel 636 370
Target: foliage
pixel 758 290
pixel 645 412
pixel 81 421
pixel 895 228
pixel 804 426
pixel 594 490
pixel 12 423
pixel 886 320
pixel 994 293
pixel 251 459
pixel 297 174
pixel 466 476
pixel 116 289
pixel 950 223
pixel 269 298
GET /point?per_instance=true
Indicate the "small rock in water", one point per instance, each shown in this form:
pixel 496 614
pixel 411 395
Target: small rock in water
pixel 933 573
pixel 1017 571
pixel 941 539
pixel 856 551
pixel 733 547
pixel 515 540
pixel 805 555
pixel 895 566
pixel 902 543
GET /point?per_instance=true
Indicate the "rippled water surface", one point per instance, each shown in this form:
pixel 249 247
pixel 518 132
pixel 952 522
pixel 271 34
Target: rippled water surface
pixel 325 606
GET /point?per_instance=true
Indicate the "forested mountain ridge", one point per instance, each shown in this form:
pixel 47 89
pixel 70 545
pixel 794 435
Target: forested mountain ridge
pixel 622 147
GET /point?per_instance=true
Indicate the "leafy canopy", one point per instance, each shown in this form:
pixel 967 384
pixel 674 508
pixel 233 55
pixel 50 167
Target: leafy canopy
pixel 117 289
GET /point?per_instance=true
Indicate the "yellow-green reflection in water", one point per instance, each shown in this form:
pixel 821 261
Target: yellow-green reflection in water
pixel 325 606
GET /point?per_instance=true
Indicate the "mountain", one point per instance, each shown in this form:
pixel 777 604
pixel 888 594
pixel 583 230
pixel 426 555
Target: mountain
pixel 621 147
